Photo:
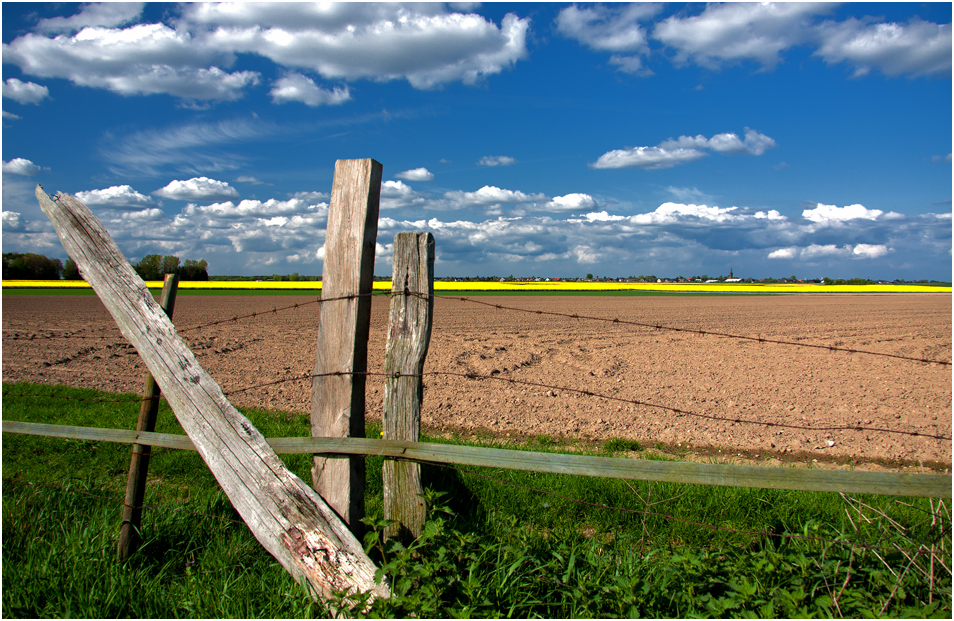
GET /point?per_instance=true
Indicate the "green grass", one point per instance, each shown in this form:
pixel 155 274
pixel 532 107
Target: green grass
pixel 492 547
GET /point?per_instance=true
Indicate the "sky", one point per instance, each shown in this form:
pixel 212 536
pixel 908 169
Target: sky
pixel 538 139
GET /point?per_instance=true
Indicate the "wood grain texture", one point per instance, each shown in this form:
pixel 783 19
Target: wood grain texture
pixel 409 334
pixel 286 516
pixel 807 479
pixel 337 401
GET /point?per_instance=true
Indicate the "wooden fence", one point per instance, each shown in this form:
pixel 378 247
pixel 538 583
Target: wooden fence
pixel 316 541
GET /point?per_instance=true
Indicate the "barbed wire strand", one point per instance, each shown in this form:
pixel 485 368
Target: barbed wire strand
pixel 658 326
pixel 589 393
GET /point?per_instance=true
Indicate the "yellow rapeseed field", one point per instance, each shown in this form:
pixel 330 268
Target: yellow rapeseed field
pixel 516 287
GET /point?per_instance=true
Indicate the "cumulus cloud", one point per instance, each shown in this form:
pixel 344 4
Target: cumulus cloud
pixel 24 92
pixel 296 87
pixel 143 59
pixel 117 196
pixel 650 158
pixel 21 166
pixel 830 215
pixel 107 14
pixel 197 188
pixel 496 160
pixel 674 152
pixel 416 174
pixel 611 29
pixel 424 44
pixel 10 116
pixel 917 48
pixel 575 202
pixel 12 221
pixel 818 251
pixel 738 31
pixel 489 196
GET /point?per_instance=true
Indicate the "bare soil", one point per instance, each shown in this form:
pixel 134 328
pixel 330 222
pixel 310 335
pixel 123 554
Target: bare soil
pixel 695 380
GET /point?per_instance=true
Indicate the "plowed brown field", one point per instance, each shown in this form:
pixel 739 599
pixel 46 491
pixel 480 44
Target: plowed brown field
pixel 688 375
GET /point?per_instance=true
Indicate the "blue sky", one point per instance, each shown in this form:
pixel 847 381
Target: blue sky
pixel 531 139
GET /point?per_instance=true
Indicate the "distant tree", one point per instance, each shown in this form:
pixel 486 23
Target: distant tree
pixel 170 265
pixel 155 267
pixel 194 270
pixel 31 266
pixel 70 271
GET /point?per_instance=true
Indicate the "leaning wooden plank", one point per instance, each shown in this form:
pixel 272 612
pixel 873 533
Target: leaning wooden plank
pixel 805 479
pixel 286 516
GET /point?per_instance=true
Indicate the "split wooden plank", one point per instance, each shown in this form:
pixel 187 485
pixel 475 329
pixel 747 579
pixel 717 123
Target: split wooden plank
pixel 409 334
pixel 286 516
pixel 726 475
pixel 337 401
pixel 139 461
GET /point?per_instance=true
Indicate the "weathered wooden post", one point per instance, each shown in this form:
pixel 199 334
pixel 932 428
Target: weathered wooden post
pixel 139 462
pixel 409 333
pixel 287 517
pixel 337 401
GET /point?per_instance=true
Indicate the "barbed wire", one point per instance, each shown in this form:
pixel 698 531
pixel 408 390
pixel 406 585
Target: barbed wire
pixel 615 320
pixel 580 391
pixel 589 393
pixel 658 326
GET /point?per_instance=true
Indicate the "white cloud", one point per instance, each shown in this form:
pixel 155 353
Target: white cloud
pixel 249 180
pixel 937 159
pixel 870 251
pixel 814 252
pixel 488 196
pixel 21 166
pixel 108 14
pixel 115 197
pixel 605 28
pixel 12 221
pixel 668 213
pixel 143 59
pixel 734 32
pixel 24 92
pixel 416 174
pixel 423 44
pixel 197 188
pixel 611 29
pixel 917 48
pixel 190 148
pixel 10 116
pixel 650 158
pixel 571 202
pixel 296 87
pixel 674 152
pixel 496 160
pixel 830 215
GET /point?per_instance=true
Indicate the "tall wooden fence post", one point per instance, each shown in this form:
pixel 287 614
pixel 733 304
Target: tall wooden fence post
pixel 139 462
pixel 337 391
pixel 409 333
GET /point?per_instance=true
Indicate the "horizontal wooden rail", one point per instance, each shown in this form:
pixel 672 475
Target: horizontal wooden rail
pixel 805 479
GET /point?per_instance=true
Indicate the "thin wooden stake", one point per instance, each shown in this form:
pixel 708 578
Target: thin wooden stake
pixel 409 334
pixel 337 401
pixel 139 462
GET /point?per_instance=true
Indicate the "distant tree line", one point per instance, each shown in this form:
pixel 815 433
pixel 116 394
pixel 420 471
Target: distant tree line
pixel 31 266
pixel 155 267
